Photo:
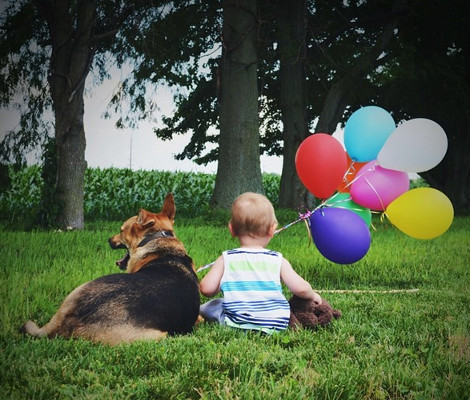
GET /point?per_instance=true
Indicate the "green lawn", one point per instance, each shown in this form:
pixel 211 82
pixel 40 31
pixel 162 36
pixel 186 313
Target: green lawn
pixel 407 345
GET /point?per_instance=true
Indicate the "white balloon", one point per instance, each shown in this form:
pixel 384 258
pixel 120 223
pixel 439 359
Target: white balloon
pixel 416 145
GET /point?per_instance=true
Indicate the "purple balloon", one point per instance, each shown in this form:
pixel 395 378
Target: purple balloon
pixel 340 235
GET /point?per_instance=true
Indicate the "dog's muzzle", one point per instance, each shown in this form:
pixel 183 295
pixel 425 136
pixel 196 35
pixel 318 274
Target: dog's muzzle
pixel 115 246
pixel 122 263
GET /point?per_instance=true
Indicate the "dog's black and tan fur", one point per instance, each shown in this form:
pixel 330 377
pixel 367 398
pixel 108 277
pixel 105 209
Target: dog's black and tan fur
pixel 159 295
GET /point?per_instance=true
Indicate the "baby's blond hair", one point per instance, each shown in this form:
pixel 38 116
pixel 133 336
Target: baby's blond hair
pixel 252 214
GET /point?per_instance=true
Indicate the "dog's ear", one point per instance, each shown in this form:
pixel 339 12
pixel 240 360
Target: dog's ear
pixel 168 208
pixel 145 218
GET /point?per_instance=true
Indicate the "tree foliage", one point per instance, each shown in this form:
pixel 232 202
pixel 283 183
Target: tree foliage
pixel 24 60
pixel 408 56
pixel 48 50
pixel 429 78
pixel 405 56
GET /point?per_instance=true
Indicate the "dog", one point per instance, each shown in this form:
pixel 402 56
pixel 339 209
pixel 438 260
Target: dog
pixel 158 296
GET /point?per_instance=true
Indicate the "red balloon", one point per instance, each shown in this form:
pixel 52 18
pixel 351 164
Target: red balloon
pixel 321 164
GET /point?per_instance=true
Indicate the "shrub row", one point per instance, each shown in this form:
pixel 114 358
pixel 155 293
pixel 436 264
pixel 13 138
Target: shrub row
pixel 114 194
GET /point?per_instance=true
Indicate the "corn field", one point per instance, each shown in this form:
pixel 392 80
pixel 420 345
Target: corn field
pixel 114 194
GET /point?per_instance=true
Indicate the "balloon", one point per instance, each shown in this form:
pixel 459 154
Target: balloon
pixel 321 164
pixel 376 187
pixel 340 235
pixel 366 131
pixel 422 213
pixel 344 200
pixel 416 145
pixel 353 169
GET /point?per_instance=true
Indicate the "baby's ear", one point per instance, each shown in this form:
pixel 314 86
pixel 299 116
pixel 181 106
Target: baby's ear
pixel 272 229
pixel 230 228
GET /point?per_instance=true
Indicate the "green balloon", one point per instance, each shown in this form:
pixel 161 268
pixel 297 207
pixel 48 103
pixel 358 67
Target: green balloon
pixel 344 200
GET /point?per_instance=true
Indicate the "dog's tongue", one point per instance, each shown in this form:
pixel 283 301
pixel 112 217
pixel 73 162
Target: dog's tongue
pixel 122 263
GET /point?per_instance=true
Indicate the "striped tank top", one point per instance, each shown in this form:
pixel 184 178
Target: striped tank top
pixel 251 285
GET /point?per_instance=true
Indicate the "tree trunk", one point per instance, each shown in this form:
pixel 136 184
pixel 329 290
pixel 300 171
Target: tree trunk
pixel 238 167
pixel 292 20
pixel 71 164
pixel 72 52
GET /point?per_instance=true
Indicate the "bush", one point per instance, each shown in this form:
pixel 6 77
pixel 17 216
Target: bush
pixel 19 202
pixel 117 193
pixel 114 194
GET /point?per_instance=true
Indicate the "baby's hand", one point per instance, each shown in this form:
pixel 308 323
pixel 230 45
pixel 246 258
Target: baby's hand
pixel 317 298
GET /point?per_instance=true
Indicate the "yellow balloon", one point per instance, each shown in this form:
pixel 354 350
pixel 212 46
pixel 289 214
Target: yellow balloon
pixel 422 213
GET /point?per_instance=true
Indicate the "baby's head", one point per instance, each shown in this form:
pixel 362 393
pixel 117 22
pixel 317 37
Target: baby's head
pixel 252 214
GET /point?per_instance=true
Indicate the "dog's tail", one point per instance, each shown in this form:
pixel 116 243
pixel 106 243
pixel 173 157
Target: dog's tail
pixel 30 328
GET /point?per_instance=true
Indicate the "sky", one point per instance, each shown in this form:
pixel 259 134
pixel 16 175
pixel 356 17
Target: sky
pixel 140 148
pixel 107 146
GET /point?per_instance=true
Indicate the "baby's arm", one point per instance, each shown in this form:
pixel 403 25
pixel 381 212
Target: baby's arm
pixel 296 284
pixel 210 284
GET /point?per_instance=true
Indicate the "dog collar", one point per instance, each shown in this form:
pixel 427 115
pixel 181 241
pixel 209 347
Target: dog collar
pixel 155 235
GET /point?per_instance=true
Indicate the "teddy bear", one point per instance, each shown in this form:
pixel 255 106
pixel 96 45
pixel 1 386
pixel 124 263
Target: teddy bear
pixel 308 315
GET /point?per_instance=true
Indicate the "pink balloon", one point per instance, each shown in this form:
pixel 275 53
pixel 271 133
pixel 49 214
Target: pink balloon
pixel 376 187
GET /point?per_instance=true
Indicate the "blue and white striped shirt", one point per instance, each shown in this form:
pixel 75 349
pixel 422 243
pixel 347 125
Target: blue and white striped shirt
pixel 251 285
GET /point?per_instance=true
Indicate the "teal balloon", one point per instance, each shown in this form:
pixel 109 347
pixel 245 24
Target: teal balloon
pixel 366 131
pixel 344 200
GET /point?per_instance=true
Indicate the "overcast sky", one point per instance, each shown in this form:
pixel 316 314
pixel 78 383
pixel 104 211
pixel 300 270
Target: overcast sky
pixel 139 149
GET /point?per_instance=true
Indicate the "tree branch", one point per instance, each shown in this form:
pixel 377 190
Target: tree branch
pixel 109 31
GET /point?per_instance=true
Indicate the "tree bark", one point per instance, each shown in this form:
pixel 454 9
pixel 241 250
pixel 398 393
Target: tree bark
pixel 238 167
pixel 292 48
pixel 72 53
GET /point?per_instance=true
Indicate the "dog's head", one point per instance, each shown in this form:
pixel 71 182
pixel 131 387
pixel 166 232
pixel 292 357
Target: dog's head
pixel 139 230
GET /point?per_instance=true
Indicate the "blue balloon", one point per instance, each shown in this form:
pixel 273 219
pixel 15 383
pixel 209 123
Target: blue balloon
pixel 366 131
pixel 340 235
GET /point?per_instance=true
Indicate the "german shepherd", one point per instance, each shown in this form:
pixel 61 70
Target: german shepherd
pixel 159 295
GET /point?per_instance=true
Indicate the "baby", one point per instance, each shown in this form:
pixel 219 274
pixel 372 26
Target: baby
pixel 250 276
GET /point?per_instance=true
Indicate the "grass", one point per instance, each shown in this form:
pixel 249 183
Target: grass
pixel 385 346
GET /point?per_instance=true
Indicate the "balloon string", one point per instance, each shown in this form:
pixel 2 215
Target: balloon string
pixel 307 215
pixel 382 217
pixel 370 184
pixel 350 171
pixel 309 231
pixel 205 267
pixel 376 193
pixel 337 203
pixel 302 217
pixel 306 218
pixel 324 202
